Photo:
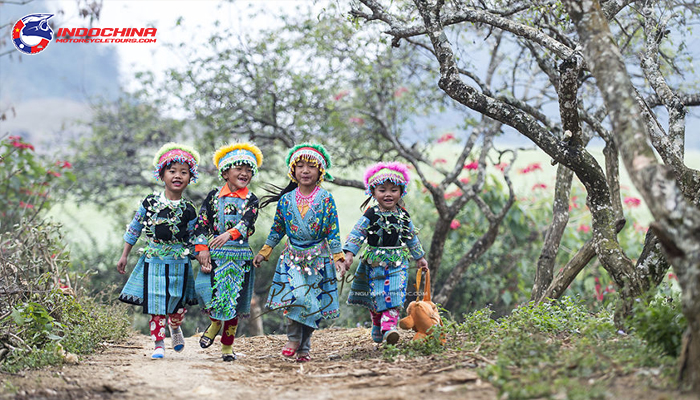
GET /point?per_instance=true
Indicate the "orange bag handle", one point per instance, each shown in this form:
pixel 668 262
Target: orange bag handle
pixel 426 294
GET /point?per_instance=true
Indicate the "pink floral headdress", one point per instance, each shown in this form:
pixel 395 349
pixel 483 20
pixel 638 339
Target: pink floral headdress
pixel 394 172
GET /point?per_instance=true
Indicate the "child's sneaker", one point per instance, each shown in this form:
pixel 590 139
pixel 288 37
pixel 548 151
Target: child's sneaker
pixel 391 336
pixel 158 353
pixel 177 338
pixel 377 334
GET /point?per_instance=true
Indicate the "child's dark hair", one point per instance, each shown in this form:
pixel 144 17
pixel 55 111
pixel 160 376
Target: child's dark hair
pixel 161 173
pixel 276 193
pixel 365 204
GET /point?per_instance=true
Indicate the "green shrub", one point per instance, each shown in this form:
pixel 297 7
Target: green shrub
pixel 660 321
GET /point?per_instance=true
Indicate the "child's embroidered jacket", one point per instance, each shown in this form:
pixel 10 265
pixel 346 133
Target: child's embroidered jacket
pixel 304 285
pixel 162 281
pixel 226 291
pixel 380 280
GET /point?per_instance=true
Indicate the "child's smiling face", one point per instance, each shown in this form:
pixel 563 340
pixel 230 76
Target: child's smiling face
pixel 306 173
pixel 387 195
pixel 176 177
pixel 238 176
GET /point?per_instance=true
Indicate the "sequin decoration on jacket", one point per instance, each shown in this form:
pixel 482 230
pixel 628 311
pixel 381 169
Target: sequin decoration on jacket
pixel 304 286
pixel 226 292
pixel 380 280
pixel 162 281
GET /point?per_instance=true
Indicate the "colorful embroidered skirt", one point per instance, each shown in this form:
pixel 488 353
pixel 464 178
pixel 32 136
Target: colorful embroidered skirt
pixel 380 280
pixel 226 292
pixel 160 285
pixel 304 287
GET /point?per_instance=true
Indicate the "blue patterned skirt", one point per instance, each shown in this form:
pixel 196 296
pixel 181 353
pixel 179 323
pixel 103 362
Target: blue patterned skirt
pixel 226 292
pixel 305 287
pixel 160 285
pixel 380 280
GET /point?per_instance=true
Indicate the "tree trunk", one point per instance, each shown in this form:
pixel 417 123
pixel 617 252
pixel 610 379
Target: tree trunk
pixel 676 219
pixel 437 246
pixel 255 323
pixel 550 247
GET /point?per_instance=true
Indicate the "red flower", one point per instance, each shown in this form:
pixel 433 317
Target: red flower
pixel 340 95
pixel 25 205
pixel 598 292
pixel 584 228
pixel 531 167
pixel 453 194
pixel 632 202
pixel 673 276
pixel 54 173
pixel 400 91
pixel 446 137
pixel 14 138
pixel 455 224
pixel 357 120
pixel 464 180
pixel 439 161
pixel 539 186
pixel 64 164
pixel 471 165
pixel 501 166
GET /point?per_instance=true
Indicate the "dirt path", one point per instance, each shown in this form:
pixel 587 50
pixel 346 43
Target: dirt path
pixel 345 364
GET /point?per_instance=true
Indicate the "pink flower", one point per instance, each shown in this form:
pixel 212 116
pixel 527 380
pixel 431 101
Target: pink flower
pixel 673 276
pixel 531 167
pixel 539 186
pixel 439 161
pixel 357 120
pixel 340 95
pixel 446 137
pixel 598 292
pixel 639 227
pixel 64 164
pixel 455 224
pixel 400 91
pixel 632 202
pixel 433 184
pixel 453 194
pixel 584 228
pixel 501 166
pixel 464 180
pixel 471 165
pixel 54 173
pixel 25 205
pixel 14 138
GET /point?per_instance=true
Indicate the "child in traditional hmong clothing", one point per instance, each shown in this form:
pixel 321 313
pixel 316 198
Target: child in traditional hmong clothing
pixel 226 221
pixel 162 281
pixel 304 284
pixel 380 281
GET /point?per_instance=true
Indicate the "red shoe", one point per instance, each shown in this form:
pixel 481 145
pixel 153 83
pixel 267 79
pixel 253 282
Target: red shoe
pixel 303 358
pixel 289 351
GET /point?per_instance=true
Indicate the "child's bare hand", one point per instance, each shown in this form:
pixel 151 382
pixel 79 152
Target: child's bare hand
pixel 258 260
pixel 121 265
pixel 220 240
pixel 340 267
pixel 348 260
pixel 204 260
pixel 422 264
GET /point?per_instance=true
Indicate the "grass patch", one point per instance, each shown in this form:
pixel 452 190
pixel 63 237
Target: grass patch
pixel 542 351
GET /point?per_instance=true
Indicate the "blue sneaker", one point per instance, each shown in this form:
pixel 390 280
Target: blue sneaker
pixel 391 336
pixel 158 353
pixel 377 334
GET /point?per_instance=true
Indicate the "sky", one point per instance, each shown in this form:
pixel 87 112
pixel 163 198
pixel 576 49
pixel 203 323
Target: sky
pixel 196 25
